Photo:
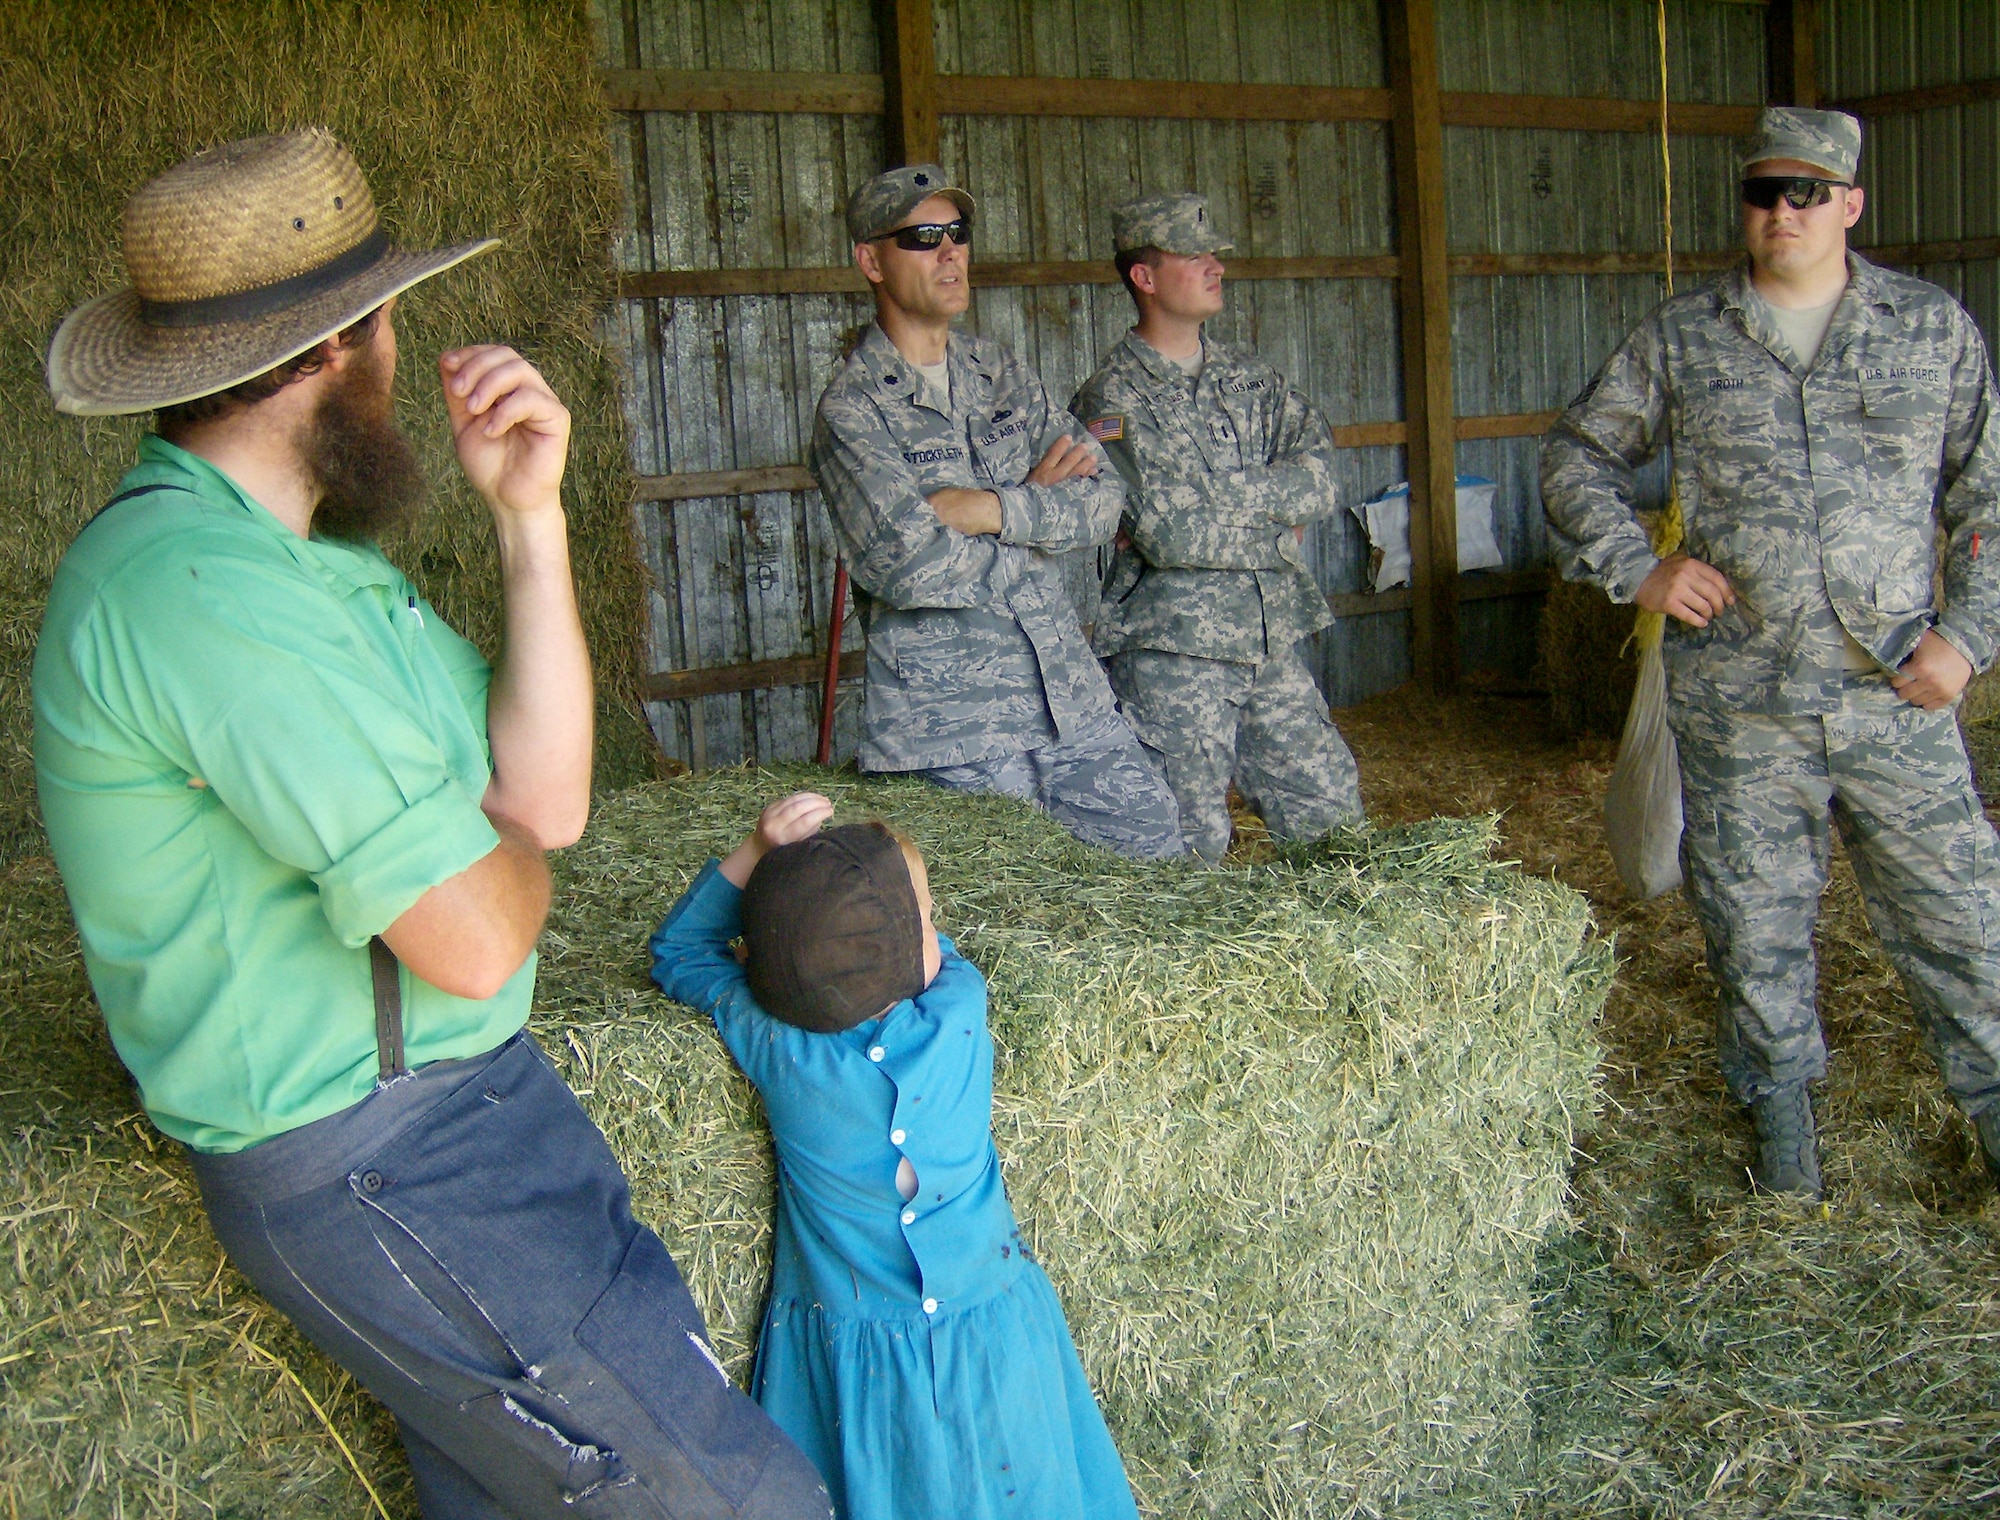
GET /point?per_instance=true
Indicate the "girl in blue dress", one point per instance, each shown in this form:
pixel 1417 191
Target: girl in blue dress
pixel 912 1347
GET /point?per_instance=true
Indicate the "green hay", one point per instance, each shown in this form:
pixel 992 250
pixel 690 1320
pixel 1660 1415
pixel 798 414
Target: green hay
pixel 469 117
pixel 1583 663
pixel 1287 1137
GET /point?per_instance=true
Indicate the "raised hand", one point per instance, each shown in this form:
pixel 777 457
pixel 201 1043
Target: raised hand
pixel 785 821
pixel 511 431
pixel 791 819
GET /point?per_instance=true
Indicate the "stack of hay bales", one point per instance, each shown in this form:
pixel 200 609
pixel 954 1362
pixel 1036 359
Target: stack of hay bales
pixel 1287 1137
pixel 469 117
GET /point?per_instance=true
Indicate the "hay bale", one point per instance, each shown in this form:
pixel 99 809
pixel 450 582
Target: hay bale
pixel 468 116
pixel 1288 1138
pixel 1583 662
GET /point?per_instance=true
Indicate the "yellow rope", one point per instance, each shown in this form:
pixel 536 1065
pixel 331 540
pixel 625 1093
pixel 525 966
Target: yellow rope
pixel 1651 627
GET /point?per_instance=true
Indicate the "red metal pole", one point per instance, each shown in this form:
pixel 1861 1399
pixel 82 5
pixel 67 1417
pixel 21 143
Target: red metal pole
pixel 832 682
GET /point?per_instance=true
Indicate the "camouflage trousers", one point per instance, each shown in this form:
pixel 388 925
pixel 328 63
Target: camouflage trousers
pixel 1104 788
pixel 1264 725
pixel 1758 794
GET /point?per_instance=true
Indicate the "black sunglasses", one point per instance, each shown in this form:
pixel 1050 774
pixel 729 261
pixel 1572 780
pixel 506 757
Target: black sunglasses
pixel 1798 191
pixel 927 235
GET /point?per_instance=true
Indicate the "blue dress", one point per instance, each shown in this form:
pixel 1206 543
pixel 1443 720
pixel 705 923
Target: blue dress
pixel 913 1350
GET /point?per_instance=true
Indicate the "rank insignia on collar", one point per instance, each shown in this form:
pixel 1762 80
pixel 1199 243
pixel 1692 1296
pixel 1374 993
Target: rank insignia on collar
pixel 1107 429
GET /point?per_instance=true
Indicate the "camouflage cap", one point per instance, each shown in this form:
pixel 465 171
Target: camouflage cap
pixel 1171 223
pixel 1828 140
pixel 882 203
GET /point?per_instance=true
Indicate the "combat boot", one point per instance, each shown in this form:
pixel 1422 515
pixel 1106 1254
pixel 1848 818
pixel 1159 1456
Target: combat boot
pixel 1787 1149
pixel 1988 1125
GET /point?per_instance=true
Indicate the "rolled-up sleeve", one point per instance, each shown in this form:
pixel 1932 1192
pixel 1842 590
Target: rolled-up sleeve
pixel 381 878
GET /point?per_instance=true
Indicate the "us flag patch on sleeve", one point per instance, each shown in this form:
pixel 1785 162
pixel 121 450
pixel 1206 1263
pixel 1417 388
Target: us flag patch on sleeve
pixel 1107 429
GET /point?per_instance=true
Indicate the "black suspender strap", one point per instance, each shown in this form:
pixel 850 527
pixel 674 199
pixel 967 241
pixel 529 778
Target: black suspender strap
pixel 384 967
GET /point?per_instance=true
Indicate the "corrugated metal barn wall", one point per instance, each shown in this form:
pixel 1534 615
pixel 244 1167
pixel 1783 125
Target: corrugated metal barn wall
pixel 1926 74
pixel 740 303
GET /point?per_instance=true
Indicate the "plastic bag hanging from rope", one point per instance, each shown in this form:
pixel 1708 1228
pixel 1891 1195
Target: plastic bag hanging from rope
pixel 1642 806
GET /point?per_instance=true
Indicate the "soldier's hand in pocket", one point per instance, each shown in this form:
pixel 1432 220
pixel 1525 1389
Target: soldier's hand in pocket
pixel 1933 675
pixel 1686 588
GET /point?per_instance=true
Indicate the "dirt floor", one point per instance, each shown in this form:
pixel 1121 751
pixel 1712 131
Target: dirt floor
pixel 1706 1352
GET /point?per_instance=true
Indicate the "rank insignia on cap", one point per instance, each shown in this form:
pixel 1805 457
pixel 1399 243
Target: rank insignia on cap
pixel 923 179
pixel 1107 429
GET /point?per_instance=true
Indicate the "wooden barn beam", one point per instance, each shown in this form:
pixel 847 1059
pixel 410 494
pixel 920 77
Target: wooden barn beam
pixel 1791 33
pixel 743 90
pixel 805 669
pixel 692 485
pixel 1967 93
pixel 1589 113
pixel 1685 261
pixel 1473 586
pixel 1955 251
pixel 830 279
pixel 1159 99
pixel 1417 135
pixel 825 279
pixel 909 80
pixel 754 675
pixel 1166 99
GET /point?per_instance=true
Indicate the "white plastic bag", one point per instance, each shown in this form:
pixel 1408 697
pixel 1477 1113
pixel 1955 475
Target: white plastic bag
pixel 1386 517
pixel 1642 806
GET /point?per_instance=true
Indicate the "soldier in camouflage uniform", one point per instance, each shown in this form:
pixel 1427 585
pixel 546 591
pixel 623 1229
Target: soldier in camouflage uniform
pixel 954 486
pixel 1208 595
pixel 1823 413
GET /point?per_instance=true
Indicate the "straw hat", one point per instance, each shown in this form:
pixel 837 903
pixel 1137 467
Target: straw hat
pixel 240 258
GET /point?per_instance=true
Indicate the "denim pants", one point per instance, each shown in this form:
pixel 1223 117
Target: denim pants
pixel 462 1242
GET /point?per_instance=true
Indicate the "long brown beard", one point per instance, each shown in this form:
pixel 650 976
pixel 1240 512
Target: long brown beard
pixel 367 472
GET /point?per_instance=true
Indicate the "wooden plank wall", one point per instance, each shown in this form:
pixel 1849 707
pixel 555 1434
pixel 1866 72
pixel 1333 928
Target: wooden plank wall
pixel 728 383
pixel 1925 77
pixel 1285 189
pixel 742 124
pixel 1528 342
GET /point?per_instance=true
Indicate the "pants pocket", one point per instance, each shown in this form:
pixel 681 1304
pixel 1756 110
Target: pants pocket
pixel 1934 865
pixel 649 1335
pixel 533 1447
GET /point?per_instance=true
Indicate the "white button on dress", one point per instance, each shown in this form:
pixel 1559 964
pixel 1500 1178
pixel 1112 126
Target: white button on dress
pixel 876 1052
pixel 909 1216
pixel 895 1137
pixel 930 1306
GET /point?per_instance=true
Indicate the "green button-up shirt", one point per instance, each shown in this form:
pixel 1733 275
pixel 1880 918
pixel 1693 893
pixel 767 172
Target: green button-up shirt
pixel 255 751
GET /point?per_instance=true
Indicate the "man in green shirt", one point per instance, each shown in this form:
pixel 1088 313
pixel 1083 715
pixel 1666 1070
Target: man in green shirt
pixel 302 825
